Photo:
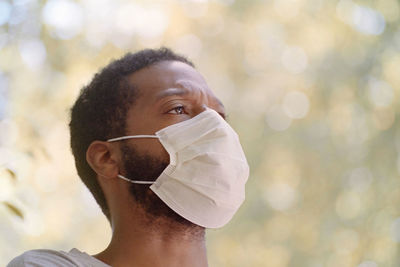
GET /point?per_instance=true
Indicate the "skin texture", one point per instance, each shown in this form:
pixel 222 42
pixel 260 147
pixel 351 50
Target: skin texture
pixel 169 92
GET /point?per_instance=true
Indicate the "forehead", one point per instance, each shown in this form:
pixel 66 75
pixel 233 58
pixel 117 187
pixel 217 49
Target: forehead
pixel 155 79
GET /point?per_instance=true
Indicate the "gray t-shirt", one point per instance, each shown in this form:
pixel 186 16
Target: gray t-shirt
pixel 46 257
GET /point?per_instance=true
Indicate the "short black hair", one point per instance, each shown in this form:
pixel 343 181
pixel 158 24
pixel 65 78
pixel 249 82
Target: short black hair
pixel 101 109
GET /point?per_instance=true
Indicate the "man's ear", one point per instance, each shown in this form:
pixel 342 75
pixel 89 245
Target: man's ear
pixel 103 157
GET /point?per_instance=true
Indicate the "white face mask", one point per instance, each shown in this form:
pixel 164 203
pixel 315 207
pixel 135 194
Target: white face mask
pixel 205 179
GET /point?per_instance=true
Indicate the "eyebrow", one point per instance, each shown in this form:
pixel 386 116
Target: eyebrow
pixel 172 92
pixel 181 92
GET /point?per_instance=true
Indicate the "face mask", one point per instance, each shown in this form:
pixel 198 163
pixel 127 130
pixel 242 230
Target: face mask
pixel 205 179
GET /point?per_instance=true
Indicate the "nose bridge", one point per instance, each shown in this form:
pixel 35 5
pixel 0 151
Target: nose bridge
pixel 199 93
pixel 201 102
pixel 199 109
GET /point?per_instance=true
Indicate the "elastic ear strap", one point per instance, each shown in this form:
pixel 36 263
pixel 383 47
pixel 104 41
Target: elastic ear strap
pixel 131 137
pixel 134 181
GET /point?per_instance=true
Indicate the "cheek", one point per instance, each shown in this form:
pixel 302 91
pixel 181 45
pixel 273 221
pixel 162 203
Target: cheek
pixel 153 148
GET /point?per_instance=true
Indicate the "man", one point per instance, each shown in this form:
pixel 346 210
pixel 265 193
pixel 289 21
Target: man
pixel 151 144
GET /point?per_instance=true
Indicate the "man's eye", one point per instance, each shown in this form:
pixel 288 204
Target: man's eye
pixel 177 110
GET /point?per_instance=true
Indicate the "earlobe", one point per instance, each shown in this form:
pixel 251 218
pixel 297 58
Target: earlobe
pixel 102 158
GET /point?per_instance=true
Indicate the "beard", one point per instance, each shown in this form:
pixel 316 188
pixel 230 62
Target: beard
pixel 147 168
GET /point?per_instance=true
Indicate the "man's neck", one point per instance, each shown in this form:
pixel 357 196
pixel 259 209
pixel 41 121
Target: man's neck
pixel 144 241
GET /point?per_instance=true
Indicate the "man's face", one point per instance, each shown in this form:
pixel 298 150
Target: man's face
pixel 168 92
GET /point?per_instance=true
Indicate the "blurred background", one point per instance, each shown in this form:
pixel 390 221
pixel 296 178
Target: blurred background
pixel 311 86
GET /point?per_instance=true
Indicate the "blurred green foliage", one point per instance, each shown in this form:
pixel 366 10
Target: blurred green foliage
pixel 311 86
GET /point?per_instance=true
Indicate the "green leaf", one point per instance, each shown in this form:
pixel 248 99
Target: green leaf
pixel 11 173
pixel 13 209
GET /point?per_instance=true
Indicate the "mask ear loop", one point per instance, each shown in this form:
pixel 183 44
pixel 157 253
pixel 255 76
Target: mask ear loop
pixel 131 181
pixel 134 181
pixel 131 137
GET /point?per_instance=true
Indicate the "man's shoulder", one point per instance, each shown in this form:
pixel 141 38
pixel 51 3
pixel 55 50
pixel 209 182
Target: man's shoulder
pixel 47 257
pixel 42 257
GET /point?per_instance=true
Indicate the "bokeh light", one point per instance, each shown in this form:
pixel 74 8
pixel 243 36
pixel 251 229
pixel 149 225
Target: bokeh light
pixel 64 17
pixel 5 12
